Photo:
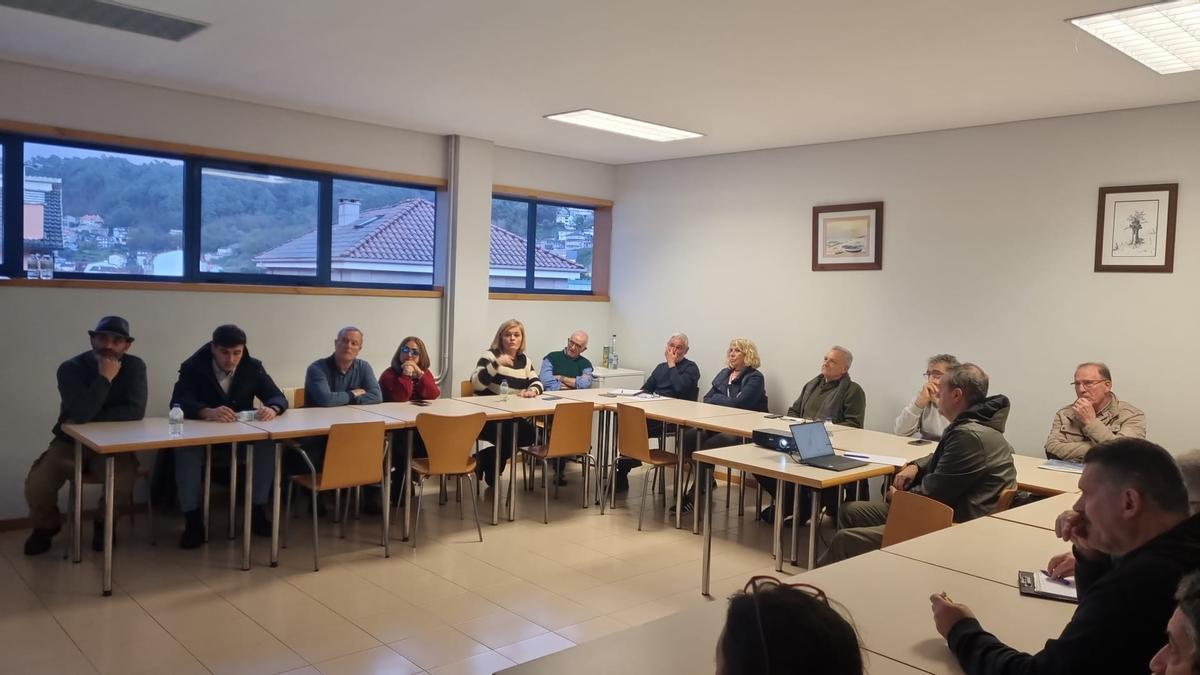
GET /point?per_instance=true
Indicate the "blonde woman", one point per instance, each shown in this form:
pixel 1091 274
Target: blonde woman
pixel 505 363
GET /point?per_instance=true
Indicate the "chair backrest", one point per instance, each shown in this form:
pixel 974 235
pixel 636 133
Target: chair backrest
pixel 466 388
pixel 298 397
pixel 912 515
pixel 572 430
pixel 1005 500
pixel 450 440
pixel 632 438
pixel 354 455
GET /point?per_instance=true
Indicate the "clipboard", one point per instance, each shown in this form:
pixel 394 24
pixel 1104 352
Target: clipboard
pixel 1039 585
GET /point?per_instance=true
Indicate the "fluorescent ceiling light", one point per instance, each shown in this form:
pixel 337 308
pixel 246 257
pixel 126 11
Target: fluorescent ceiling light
pixel 623 125
pixel 1164 37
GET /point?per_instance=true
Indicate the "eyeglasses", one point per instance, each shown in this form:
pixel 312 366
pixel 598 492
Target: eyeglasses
pixel 933 375
pixel 1086 384
pixel 409 351
pixel 759 584
pixel 576 345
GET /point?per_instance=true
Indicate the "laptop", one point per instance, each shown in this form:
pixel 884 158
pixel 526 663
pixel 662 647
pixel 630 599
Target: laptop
pixel 815 449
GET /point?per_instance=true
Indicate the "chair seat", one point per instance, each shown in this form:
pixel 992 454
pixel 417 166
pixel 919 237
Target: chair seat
pixel 421 466
pixel 660 457
pixel 305 480
pixel 543 452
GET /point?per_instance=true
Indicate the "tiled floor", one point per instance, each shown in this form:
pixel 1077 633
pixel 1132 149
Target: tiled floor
pixel 453 605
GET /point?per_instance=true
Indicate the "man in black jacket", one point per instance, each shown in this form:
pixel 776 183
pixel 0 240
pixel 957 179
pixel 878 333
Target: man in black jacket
pixel 218 381
pixel 969 469
pixel 103 384
pixel 1133 541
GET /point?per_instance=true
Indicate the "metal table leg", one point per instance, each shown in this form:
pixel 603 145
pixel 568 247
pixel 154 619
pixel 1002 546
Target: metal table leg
pixel 407 484
pixel 812 529
pixel 777 540
pixel 76 528
pixel 696 491
pixel 207 487
pixel 496 471
pixel 386 488
pixel 233 472
pixel 679 486
pixel 707 553
pixel 109 490
pixel 275 499
pixel 248 498
pixel 795 523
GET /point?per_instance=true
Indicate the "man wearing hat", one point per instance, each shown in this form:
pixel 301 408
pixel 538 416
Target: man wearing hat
pixel 103 384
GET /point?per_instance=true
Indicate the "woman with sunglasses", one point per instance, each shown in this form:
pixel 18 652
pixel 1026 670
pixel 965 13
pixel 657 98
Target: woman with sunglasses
pixel 409 377
pixel 776 628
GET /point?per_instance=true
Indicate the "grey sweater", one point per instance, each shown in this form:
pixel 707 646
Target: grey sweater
pixel 325 386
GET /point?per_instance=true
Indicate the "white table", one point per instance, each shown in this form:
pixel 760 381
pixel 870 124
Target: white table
pixel 1041 513
pixel 989 548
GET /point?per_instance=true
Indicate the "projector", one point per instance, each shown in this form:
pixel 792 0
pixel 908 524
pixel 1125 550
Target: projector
pixel 774 439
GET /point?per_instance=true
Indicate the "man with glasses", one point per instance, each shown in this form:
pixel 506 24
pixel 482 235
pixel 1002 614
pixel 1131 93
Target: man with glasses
pixel 567 368
pixel 921 418
pixel 1097 415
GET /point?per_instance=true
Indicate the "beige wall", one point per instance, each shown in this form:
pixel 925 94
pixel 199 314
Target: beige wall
pixel 46 326
pixel 989 242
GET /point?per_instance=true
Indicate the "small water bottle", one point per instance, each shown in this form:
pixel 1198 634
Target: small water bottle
pixel 504 390
pixel 175 421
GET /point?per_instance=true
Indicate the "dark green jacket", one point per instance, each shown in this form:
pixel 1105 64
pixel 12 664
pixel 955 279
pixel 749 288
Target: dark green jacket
pixel 842 401
pixel 973 462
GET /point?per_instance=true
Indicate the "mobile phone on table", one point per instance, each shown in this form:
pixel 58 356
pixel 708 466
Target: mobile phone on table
pixel 920 441
pixel 772 417
pixel 420 403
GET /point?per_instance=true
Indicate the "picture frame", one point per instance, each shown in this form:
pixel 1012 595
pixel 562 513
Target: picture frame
pixel 847 237
pixel 1135 228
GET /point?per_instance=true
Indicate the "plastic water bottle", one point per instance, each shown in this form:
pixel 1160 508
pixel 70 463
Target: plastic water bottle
pixel 504 390
pixel 175 421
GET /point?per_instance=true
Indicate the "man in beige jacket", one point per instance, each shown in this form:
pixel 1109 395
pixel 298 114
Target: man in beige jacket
pixel 1097 415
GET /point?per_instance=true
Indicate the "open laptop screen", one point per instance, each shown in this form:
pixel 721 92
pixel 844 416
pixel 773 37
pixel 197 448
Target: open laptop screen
pixel 812 440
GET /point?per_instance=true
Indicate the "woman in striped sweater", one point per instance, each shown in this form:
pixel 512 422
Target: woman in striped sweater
pixel 505 362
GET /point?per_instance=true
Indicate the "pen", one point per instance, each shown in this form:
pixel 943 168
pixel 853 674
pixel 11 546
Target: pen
pixel 853 456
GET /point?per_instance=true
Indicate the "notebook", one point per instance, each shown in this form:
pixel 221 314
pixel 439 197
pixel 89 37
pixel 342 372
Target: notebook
pixel 1039 584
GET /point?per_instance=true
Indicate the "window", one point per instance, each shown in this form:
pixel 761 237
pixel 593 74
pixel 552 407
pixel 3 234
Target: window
pixel 559 238
pixel 80 209
pixel 89 211
pixel 255 223
pixel 382 234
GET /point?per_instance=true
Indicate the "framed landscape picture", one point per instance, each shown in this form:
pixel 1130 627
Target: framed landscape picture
pixel 1135 228
pixel 848 237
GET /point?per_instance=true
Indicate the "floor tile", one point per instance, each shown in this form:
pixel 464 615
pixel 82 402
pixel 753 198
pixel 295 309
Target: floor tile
pixel 377 661
pixel 528 650
pixel 480 664
pixel 438 647
pixel 500 630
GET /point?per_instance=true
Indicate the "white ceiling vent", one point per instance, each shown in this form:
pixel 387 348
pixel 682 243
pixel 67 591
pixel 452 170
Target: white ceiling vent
pixel 113 15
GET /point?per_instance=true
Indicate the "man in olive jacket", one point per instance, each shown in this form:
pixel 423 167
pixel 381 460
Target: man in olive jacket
pixel 969 469
pixel 1133 541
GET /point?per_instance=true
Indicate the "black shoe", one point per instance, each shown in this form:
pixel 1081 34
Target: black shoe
pixel 622 481
pixel 767 515
pixel 560 479
pixel 98 536
pixel 260 525
pixel 193 530
pixel 40 540
pixel 687 506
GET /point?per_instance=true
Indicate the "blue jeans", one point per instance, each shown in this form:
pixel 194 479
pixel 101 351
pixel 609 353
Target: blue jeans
pixel 189 474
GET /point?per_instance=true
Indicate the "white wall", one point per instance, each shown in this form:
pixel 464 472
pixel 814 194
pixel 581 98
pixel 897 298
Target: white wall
pixel 988 252
pixel 46 326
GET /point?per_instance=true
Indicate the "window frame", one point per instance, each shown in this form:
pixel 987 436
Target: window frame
pixel 12 242
pixel 531 247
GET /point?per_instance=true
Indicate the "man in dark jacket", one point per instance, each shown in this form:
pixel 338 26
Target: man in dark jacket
pixel 103 384
pixel 969 469
pixel 1133 541
pixel 218 381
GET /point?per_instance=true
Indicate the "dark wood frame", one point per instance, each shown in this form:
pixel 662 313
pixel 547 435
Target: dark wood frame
pixel 1168 266
pixel 876 264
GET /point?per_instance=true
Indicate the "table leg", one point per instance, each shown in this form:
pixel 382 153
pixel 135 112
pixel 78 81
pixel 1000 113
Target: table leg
pixel 708 509
pixel 275 500
pixel 76 528
pixel 386 497
pixel 696 493
pixel 840 500
pixel 496 470
pixel 612 469
pixel 233 491
pixel 602 450
pixel 408 457
pixel 742 494
pixel 795 523
pixel 679 485
pixel 207 487
pixel 511 509
pixel 777 540
pixel 109 496
pixel 248 498
pixel 812 528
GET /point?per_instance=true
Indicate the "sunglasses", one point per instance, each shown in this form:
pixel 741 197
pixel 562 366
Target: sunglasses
pixel 760 584
pixel 408 351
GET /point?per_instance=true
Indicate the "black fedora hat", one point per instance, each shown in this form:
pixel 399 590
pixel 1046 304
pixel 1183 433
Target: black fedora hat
pixel 113 325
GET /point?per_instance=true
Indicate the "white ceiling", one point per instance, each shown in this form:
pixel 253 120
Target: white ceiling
pixel 750 75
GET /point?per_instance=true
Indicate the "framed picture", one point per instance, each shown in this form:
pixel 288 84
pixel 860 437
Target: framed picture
pixel 848 237
pixel 1135 228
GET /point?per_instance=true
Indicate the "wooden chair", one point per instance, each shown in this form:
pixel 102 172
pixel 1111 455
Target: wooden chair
pixel 570 436
pixel 912 515
pixel 449 441
pixel 1005 500
pixel 353 458
pixel 634 442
